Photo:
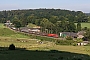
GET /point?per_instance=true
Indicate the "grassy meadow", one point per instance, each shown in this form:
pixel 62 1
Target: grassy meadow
pixel 30 25
pixel 31 49
pixel 84 25
pixel 6 32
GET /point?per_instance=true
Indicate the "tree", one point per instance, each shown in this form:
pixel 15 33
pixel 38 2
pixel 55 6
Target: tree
pixel 17 23
pixel 71 27
pixel 31 19
pixel 78 26
pixel 44 23
pixel 23 21
pixel 87 34
pixel 57 28
pixel 12 47
pixel 37 22
pixel 53 19
pixel 62 18
pixel 51 27
pixel 47 25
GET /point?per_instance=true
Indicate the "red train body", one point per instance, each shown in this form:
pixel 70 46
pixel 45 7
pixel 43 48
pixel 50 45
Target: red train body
pixel 53 35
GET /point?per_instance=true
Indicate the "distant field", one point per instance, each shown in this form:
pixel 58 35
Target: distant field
pixel 84 25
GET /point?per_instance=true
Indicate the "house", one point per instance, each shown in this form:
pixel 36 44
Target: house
pixel 83 43
pixel 8 23
pixel 29 30
pixel 81 34
pixel 66 34
pixel 24 29
pixel 34 29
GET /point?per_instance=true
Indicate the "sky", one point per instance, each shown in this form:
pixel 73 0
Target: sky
pixel 76 5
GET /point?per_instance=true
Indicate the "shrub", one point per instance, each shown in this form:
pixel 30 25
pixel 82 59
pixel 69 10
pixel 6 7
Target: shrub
pixel 45 38
pixel 74 44
pixel 69 38
pixel 12 47
pixel 79 40
pixel 64 42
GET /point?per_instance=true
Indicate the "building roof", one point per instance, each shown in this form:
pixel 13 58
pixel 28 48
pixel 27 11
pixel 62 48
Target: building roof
pixel 25 28
pixel 81 33
pixel 70 34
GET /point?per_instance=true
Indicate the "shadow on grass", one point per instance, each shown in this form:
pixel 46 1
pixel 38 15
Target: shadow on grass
pixel 23 54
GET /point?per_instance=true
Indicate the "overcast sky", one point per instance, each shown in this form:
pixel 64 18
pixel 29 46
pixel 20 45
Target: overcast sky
pixel 76 5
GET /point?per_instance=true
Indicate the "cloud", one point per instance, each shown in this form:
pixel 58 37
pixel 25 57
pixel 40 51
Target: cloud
pixel 77 7
pixel 9 6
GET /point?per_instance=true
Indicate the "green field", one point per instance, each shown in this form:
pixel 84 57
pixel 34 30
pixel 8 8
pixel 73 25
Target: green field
pixel 84 25
pixel 5 32
pixel 32 49
pixel 1 25
pixel 30 25
pixel 45 52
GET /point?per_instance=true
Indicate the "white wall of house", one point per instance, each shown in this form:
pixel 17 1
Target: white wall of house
pixel 82 44
pixel 35 30
pixel 80 36
pixel 60 34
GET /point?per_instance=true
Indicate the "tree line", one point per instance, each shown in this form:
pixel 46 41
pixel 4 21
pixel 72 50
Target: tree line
pixel 51 20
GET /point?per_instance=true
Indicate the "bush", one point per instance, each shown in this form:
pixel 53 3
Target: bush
pixel 12 47
pixel 74 44
pixel 45 38
pixel 64 42
pixel 69 38
pixel 79 40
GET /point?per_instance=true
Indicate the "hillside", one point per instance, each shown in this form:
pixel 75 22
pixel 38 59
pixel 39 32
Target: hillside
pixel 31 15
pixel 87 14
pixel 54 20
pixel 32 49
pixel 5 32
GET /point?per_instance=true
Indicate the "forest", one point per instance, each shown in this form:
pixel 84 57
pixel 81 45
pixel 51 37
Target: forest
pixel 53 20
